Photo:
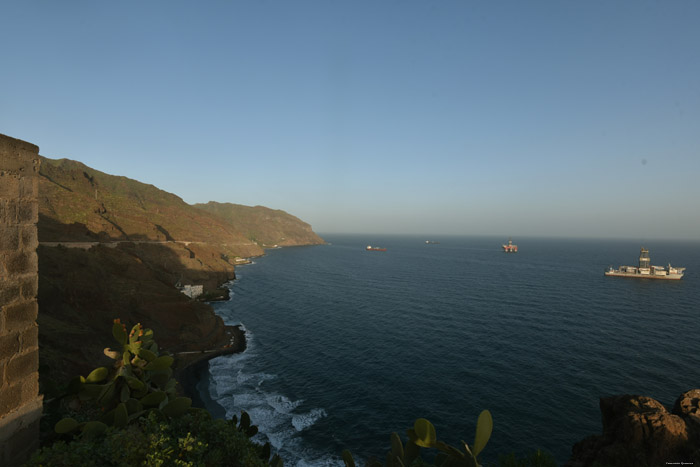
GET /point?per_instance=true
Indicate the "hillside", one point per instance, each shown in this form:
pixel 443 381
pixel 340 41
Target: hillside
pixel 94 205
pixel 112 247
pixel 263 225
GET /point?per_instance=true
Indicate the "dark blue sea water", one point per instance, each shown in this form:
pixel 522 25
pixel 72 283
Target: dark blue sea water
pixel 347 345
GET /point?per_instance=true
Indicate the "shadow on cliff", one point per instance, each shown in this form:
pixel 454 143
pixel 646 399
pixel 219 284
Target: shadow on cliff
pixel 81 292
pixel 51 230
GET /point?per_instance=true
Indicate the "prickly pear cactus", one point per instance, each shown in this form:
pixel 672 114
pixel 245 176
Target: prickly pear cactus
pixel 423 435
pixel 140 381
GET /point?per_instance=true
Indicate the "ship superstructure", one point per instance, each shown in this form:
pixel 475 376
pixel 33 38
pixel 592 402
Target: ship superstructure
pixel 510 248
pixel 644 269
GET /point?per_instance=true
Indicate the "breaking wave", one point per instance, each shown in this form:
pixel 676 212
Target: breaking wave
pixel 280 420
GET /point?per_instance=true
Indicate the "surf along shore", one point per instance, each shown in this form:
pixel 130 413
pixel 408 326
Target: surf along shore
pixel 192 367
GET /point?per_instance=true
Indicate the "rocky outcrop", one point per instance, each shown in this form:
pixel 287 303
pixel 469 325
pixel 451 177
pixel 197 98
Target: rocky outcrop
pixel 640 431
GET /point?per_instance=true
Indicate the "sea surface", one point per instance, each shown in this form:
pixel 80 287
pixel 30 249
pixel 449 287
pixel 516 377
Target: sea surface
pixel 346 346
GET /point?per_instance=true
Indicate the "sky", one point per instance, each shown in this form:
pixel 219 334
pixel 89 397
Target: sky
pixel 509 118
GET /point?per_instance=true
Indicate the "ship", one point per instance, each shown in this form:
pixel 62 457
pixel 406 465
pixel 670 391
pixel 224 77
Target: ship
pixel 374 248
pixel 431 242
pixel 510 248
pixel 644 270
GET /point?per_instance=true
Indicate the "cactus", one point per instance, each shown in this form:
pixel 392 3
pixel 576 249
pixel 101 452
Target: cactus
pixel 66 425
pixel 177 407
pixel 245 426
pixel 484 426
pixel 140 380
pixel 138 386
pixel 347 458
pixel 423 435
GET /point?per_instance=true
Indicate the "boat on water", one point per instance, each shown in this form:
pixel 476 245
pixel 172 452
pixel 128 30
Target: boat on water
pixel 374 248
pixel 431 242
pixel 509 247
pixel 644 270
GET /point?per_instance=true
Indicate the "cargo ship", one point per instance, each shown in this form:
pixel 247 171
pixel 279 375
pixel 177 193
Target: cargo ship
pixel 644 270
pixel 510 248
pixel 374 248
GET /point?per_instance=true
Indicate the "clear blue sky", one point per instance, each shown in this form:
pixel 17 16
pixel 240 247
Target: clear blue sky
pixel 513 118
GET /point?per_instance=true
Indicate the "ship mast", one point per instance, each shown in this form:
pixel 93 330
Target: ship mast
pixel 644 261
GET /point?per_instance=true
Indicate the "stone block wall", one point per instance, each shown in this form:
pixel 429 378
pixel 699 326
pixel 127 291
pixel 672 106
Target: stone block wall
pixel 20 402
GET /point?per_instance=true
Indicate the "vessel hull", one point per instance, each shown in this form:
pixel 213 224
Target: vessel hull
pixel 667 277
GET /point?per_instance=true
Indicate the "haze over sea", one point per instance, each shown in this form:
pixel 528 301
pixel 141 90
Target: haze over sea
pixel 347 345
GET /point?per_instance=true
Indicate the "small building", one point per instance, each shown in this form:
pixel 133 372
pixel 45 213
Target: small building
pixel 192 291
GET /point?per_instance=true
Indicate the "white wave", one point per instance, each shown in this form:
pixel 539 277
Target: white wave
pixel 303 421
pixel 281 403
pixel 275 415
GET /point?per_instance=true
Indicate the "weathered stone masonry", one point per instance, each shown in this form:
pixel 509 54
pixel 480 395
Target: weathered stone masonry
pixel 20 402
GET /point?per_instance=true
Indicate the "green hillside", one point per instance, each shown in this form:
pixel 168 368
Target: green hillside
pixel 90 205
pixel 267 227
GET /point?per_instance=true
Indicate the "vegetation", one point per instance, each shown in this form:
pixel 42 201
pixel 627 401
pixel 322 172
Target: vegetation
pixel 140 418
pixel 423 435
pixel 194 439
pixel 140 382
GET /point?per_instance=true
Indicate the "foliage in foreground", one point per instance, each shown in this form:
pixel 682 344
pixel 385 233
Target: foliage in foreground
pixel 423 435
pixel 139 382
pixel 195 439
pixel 131 415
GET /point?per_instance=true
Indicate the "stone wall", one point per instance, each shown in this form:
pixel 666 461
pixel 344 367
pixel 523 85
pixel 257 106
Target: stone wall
pixel 20 402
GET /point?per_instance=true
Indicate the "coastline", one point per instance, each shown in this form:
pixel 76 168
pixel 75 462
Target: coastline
pixel 192 368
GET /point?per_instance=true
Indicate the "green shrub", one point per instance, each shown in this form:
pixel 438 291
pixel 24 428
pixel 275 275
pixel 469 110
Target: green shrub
pixel 423 435
pixel 130 415
pixel 194 439
pixel 139 382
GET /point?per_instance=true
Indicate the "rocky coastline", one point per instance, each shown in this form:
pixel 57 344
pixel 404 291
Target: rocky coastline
pixel 192 367
pixel 640 431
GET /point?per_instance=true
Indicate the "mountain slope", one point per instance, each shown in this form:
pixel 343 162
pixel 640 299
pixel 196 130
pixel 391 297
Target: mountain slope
pixel 112 247
pixel 96 206
pixel 267 227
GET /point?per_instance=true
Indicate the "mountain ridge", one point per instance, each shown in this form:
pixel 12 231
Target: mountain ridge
pixel 113 247
pixel 266 226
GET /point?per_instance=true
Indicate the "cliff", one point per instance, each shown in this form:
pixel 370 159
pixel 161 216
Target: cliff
pixel 79 203
pixel 265 226
pixel 639 431
pixel 112 247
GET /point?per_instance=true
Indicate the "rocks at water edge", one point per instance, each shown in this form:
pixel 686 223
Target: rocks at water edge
pixel 640 431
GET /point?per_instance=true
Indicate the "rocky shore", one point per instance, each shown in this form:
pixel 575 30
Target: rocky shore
pixel 191 368
pixel 639 431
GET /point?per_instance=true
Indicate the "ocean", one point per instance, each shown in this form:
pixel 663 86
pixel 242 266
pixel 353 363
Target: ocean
pixel 346 346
